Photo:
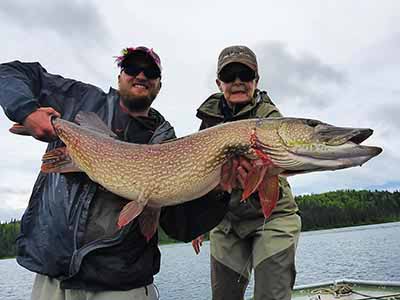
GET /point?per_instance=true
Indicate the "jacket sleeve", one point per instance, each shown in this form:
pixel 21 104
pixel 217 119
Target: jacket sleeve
pixel 19 89
pixel 24 87
pixel 203 125
pixel 185 222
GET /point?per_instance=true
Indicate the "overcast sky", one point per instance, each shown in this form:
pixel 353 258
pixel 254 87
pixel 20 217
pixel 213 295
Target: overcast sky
pixel 336 61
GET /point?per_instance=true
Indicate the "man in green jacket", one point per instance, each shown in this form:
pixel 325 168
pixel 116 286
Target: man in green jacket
pixel 244 240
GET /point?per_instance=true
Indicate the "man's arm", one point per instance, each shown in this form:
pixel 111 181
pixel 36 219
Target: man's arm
pixel 20 85
pixel 30 96
pixel 187 221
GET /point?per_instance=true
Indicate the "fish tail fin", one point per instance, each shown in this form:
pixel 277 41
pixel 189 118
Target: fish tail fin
pixel 58 161
pixel 19 129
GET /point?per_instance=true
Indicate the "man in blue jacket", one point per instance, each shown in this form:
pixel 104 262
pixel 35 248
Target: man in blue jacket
pixel 69 235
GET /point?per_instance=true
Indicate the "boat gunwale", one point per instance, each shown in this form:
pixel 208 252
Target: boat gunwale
pixel 394 284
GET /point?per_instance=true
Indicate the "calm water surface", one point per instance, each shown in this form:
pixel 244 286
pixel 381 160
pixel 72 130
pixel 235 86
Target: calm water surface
pixel 365 252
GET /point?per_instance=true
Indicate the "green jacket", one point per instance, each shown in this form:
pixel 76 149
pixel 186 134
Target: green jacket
pixel 245 217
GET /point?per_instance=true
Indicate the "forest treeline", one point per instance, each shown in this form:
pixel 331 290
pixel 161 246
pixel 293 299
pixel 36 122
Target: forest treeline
pixel 8 234
pixel 318 211
pixel 348 208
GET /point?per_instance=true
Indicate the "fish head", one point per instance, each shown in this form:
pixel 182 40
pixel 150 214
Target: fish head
pixel 305 145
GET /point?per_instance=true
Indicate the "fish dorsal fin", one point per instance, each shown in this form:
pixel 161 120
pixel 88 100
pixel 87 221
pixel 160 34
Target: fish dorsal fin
pixel 92 121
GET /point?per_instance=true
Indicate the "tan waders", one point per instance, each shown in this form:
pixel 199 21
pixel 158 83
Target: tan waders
pixel 269 250
pixel 45 288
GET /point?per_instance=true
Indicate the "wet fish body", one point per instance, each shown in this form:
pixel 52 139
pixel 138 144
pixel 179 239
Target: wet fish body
pixel 184 169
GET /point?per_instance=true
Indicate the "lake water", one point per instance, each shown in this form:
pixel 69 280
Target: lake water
pixel 369 252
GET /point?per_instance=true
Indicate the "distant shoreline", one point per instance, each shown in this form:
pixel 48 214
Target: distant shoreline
pixel 394 220
pixel 8 257
pixel 319 229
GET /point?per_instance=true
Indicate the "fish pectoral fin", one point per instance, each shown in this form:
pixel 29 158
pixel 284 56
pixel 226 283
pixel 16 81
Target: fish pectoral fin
pixel 130 211
pixel 92 121
pixel 268 192
pixel 148 221
pixel 253 179
pixel 58 161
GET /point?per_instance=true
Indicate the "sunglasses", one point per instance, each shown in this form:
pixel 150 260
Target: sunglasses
pixel 149 72
pixel 228 75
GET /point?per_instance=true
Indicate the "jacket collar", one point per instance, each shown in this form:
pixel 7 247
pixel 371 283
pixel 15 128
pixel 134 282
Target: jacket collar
pixel 162 133
pixel 216 106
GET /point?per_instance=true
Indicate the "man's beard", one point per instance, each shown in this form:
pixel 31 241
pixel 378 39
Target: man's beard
pixel 137 103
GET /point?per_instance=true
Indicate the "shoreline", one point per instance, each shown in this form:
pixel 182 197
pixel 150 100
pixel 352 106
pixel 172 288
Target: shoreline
pixel 310 230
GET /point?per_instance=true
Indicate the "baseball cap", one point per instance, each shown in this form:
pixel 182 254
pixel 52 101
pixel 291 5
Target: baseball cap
pixel 238 54
pixel 126 53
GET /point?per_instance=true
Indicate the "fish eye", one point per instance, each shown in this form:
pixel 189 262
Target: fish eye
pixel 313 123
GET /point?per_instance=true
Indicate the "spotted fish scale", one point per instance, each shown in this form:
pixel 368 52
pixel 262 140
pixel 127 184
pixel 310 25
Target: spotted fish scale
pixel 170 173
pixel 152 176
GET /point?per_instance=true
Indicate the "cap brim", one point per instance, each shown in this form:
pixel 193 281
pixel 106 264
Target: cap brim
pixel 146 54
pixel 243 61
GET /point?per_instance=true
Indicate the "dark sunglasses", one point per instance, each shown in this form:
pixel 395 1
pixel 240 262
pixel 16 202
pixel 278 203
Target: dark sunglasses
pixel 149 72
pixel 228 76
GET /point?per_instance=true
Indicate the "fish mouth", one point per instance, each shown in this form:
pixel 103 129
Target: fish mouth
pixel 332 135
pixel 334 148
pixel 339 157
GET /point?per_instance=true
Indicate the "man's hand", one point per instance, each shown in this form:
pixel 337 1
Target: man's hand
pixel 38 124
pixel 234 173
pixel 197 243
pixel 228 175
pixel 243 169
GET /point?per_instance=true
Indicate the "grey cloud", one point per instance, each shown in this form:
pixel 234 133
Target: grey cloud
pixel 21 164
pixel 388 114
pixel 71 20
pixel 14 191
pixel 304 77
pixel 381 55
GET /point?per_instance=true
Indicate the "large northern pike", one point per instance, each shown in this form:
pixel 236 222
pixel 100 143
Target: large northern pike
pixel 152 176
